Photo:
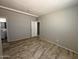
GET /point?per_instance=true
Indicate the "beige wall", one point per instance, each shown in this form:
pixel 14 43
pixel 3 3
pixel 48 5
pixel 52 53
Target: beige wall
pixel 61 27
pixel 18 24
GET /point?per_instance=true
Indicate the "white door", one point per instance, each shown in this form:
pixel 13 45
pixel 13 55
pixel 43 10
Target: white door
pixel 34 28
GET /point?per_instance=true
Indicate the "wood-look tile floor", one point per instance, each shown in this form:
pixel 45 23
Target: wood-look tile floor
pixel 36 49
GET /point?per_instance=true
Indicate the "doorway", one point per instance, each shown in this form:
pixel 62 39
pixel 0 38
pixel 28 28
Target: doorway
pixel 3 23
pixel 38 28
pixel 35 27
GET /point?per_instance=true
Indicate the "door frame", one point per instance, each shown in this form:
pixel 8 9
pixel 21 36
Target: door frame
pixel 1 50
pixel 7 28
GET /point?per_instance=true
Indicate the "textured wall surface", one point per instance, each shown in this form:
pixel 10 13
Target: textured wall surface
pixel 61 27
pixel 18 24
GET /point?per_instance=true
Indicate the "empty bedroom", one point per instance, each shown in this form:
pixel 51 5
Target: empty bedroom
pixel 38 29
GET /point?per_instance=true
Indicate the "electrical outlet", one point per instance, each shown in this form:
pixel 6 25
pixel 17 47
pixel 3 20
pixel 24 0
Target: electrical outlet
pixel 57 40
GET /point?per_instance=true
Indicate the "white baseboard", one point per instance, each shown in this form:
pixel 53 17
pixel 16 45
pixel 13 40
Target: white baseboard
pixel 19 39
pixel 58 45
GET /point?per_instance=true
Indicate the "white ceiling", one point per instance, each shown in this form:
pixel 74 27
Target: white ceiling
pixel 37 7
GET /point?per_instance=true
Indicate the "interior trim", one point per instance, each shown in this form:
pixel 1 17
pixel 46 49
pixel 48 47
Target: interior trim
pixel 58 45
pixel 18 11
